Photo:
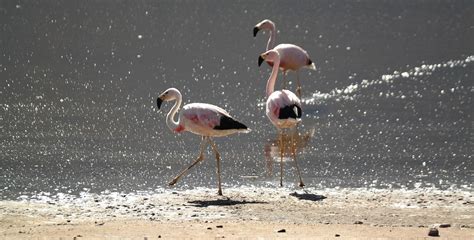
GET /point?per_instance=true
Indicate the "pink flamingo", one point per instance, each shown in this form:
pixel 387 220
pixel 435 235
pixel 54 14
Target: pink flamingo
pixel 202 119
pixel 283 108
pixel 292 57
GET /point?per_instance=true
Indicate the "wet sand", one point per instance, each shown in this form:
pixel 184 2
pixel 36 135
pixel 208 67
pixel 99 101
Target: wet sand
pixel 242 213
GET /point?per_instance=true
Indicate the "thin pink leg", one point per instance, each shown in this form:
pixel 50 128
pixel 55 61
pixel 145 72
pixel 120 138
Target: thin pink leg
pixel 218 159
pixel 282 151
pixel 199 159
pixel 293 152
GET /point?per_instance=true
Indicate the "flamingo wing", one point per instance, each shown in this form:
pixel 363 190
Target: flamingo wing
pixel 283 104
pixel 228 123
pixel 292 57
pixel 290 111
pixel 201 115
pixel 210 117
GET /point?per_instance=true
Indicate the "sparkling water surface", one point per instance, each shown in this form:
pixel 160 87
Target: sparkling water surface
pixel 389 106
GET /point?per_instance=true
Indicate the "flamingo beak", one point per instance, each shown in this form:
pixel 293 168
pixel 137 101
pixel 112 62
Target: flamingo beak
pixel 260 60
pixel 255 31
pixel 159 102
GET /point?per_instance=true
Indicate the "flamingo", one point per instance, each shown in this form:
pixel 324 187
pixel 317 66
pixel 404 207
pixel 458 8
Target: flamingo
pixel 202 119
pixel 283 108
pixel 292 57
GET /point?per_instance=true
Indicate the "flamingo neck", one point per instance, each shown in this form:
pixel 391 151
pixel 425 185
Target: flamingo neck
pixel 170 122
pixel 271 39
pixel 272 79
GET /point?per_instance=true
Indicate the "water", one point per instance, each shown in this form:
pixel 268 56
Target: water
pixel 390 105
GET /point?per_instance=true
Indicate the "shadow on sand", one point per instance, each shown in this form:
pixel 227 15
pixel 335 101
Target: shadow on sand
pixel 222 202
pixel 308 196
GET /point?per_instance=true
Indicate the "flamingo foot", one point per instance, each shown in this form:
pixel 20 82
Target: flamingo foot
pixel 173 182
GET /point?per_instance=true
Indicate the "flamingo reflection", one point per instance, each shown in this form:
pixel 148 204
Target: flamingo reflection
pixel 293 143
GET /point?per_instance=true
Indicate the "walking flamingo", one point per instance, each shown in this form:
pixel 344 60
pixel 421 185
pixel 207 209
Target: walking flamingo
pixel 283 108
pixel 292 57
pixel 202 119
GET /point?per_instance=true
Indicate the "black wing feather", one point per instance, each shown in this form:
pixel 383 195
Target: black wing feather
pixel 289 112
pixel 229 123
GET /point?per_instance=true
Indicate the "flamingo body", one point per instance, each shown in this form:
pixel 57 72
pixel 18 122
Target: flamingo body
pixel 208 120
pixel 283 108
pixel 292 57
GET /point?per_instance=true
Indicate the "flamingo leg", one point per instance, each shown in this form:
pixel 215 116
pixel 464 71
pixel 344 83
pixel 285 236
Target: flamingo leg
pixel 298 84
pixel 284 79
pixel 293 152
pixel 199 159
pixel 282 151
pixel 218 159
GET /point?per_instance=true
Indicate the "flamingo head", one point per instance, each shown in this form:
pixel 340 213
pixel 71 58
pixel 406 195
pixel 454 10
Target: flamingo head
pixel 269 56
pixel 169 95
pixel 265 24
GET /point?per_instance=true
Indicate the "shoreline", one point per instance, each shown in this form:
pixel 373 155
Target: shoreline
pixel 142 229
pixel 244 212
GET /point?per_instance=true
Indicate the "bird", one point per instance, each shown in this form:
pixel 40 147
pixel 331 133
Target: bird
pixel 283 108
pixel 292 57
pixel 202 119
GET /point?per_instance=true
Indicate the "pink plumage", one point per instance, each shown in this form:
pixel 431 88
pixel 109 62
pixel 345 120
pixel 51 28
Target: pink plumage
pixel 202 119
pixel 292 57
pixel 283 100
pixel 283 108
pixel 199 118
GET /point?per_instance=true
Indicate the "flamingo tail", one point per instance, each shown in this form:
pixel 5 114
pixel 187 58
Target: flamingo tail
pixel 311 65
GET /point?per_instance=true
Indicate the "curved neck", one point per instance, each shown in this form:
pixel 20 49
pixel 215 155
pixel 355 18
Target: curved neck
pixel 271 39
pixel 272 79
pixel 170 122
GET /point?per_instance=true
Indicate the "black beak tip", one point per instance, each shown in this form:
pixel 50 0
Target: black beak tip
pixel 255 31
pixel 158 102
pixel 260 60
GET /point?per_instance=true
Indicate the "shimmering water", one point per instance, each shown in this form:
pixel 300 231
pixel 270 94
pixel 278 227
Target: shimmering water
pixel 390 105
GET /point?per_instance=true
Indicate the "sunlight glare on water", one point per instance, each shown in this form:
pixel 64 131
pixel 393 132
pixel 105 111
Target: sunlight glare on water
pixel 389 106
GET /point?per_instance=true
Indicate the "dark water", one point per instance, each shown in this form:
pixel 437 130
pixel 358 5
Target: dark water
pixel 390 105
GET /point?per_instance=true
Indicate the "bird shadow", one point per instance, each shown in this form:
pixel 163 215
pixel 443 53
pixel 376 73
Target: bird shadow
pixel 308 196
pixel 222 202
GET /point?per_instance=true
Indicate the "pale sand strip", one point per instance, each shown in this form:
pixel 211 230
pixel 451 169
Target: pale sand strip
pixel 248 213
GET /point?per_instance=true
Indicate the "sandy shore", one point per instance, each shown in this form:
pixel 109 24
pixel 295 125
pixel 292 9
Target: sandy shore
pixel 243 213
